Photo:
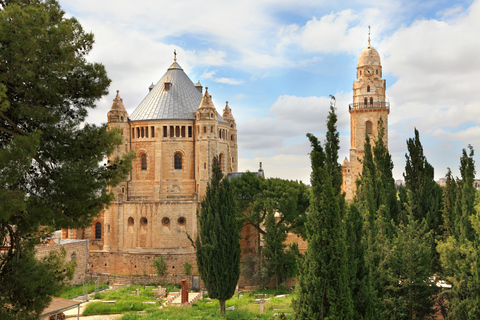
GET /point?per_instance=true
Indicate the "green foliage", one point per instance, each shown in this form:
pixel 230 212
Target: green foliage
pixel 25 277
pixel 126 301
pixel 244 309
pixel 449 201
pixel 254 269
pixel 424 195
pixel 359 280
pixel 323 291
pixel 466 199
pixel 274 248
pixel 217 244
pixel 160 266
pixel 187 267
pixel 256 197
pixel 51 174
pixel 70 292
pixel 460 251
pixel 410 291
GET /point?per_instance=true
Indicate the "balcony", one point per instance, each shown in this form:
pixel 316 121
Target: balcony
pixel 369 106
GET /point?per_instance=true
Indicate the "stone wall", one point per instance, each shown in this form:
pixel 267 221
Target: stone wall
pixel 118 279
pixel 76 249
pixel 136 263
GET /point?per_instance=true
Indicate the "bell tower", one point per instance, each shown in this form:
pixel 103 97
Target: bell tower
pixel 367 109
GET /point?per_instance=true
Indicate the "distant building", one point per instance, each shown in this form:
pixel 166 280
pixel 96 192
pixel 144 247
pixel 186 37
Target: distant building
pixel 399 183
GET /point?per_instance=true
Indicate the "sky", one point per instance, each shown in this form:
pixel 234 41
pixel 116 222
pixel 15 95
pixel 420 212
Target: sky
pixel 277 62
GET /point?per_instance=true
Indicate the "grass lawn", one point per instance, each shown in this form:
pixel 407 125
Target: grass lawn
pixel 71 292
pixel 210 309
pixel 126 299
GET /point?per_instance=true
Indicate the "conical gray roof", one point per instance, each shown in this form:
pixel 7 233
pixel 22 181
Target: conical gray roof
pixel 180 102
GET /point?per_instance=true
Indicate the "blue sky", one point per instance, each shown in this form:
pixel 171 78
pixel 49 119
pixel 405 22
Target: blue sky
pixel 277 62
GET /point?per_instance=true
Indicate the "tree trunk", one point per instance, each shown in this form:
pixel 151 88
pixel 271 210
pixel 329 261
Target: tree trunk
pixel 222 306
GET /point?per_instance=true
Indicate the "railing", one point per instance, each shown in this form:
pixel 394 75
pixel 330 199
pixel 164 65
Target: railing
pixel 369 106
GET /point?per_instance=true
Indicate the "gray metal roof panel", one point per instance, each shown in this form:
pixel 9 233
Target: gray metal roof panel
pixel 178 103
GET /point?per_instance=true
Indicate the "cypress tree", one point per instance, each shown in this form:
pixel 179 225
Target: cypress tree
pixel 449 200
pixel 385 182
pixel 460 251
pixel 274 248
pixel 424 195
pixel 323 280
pixel 359 279
pixel 217 244
pixel 410 293
pixel 466 196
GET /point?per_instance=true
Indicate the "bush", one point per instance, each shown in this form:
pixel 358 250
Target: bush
pixel 160 266
pixel 188 268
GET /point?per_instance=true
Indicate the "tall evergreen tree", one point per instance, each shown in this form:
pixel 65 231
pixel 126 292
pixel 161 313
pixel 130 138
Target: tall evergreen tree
pixel 274 248
pixel 217 243
pixel 363 307
pixel 466 197
pixel 460 251
pixel 424 195
pixel 449 200
pixel 323 281
pixel 410 293
pixel 51 175
pixel 385 181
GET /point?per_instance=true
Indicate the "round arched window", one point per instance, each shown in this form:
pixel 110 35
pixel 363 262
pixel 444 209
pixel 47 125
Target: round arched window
pixel 143 221
pixel 131 222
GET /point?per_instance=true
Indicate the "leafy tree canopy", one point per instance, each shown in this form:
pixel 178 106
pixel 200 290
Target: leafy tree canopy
pixel 51 174
pixel 256 197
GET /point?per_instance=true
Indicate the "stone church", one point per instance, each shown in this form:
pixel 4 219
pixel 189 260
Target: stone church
pixel 175 132
pixel 368 107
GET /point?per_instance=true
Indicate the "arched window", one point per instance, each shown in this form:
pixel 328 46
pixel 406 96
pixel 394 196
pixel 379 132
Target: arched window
pixel 371 101
pixel 98 230
pixel 368 88
pixel 365 101
pixel 144 161
pixel 368 127
pixel 178 161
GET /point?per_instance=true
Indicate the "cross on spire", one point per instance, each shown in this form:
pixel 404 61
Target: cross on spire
pixel 175 54
pixel 368 35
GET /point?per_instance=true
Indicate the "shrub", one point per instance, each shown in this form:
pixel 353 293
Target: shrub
pixel 188 268
pixel 160 266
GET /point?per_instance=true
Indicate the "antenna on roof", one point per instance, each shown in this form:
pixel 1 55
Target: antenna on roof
pixel 174 54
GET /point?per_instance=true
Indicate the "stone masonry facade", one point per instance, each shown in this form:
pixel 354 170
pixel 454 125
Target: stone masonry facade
pixel 76 250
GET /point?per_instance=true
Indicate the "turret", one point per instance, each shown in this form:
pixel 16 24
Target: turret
pixel 206 140
pixel 118 119
pixel 232 136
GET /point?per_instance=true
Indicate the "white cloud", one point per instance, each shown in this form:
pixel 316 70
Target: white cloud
pixel 435 64
pixel 231 81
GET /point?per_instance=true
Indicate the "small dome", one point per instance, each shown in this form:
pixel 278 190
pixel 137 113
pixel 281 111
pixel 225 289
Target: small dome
pixel 369 57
